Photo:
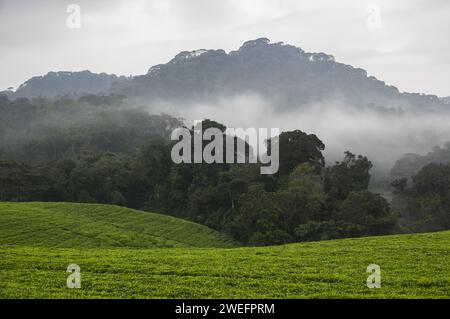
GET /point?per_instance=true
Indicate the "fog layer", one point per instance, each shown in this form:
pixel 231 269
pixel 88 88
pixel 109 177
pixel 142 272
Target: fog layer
pixel 382 135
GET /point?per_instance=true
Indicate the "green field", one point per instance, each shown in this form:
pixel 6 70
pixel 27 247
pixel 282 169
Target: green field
pixel 106 241
pixel 99 226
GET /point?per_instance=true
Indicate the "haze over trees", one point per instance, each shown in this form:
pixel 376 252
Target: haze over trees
pixel 424 205
pixel 274 85
pixel 108 147
pixel 98 150
pixel 411 164
pixel 42 129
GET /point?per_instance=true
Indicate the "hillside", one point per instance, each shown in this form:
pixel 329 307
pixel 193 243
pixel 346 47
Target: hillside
pixel 94 226
pixel 53 84
pixel 412 266
pixel 285 75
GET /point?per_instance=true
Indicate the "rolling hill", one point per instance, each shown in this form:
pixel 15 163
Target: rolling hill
pixel 93 226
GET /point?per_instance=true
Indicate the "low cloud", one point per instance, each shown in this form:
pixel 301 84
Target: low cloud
pixel 383 136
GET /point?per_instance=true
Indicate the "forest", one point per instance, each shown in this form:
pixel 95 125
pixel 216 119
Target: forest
pixel 98 149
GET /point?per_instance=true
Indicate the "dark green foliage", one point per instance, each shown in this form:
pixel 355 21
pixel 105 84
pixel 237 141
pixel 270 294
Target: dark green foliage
pixel 255 209
pixel 352 174
pixel 411 164
pixel 425 205
pixel 297 147
pixel 42 130
pixel 365 213
pixel 98 150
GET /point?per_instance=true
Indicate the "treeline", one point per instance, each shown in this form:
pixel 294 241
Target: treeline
pixel 40 130
pixel 410 164
pixel 98 150
pixel 304 201
pixel 424 201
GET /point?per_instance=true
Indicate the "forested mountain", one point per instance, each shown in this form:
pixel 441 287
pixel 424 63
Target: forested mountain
pixel 65 83
pixel 286 75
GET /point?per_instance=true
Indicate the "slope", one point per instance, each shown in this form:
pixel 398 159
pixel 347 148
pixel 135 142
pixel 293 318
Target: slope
pixel 412 266
pixel 87 226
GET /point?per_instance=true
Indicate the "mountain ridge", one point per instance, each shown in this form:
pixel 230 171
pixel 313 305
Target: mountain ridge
pixel 284 74
pixel 55 83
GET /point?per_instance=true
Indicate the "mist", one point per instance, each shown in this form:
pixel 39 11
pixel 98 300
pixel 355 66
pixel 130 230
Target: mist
pixel 384 136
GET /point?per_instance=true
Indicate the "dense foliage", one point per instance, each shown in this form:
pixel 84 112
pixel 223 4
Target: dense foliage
pixel 410 164
pixel 97 150
pixel 41 130
pixel 424 202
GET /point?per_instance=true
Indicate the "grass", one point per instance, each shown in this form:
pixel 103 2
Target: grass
pixel 99 226
pixel 412 266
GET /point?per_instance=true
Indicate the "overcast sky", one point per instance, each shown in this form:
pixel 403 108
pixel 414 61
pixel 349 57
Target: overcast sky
pixel 406 45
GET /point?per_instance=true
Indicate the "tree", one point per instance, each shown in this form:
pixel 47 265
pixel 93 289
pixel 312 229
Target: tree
pixel 350 175
pixel 303 200
pixel 425 205
pixel 297 147
pixel 366 213
pixel 259 220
